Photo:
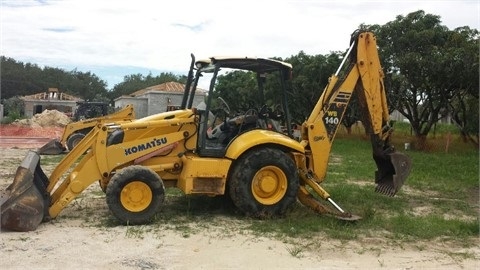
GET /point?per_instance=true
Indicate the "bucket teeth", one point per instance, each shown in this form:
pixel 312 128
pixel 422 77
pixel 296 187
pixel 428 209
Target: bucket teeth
pixel 385 189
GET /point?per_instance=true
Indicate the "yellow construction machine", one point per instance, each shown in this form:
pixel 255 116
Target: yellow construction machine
pixel 209 150
pixel 74 132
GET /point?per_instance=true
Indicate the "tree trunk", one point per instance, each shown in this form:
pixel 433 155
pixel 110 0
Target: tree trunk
pixel 349 130
pixel 421 142
pixel 464 136
pixel 474 140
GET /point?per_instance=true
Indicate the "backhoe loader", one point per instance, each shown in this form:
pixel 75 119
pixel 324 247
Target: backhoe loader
pixel 208 149
pixel 74 132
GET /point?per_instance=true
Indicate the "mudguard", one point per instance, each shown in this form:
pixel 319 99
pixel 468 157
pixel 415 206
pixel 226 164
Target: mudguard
pixel 257 137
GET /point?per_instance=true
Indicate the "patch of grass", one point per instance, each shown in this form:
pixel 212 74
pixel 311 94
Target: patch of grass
pixel 300 222
pixel 185 230
pixel 137 231
pixel 430 227
pixel 295 251
pixel 188 215
pixel 460 256
pixel 24 238
pixel 439 185
pixel 439 202
pixel 443 185
pixel 51 159
pixel 449 174
pixel 440 129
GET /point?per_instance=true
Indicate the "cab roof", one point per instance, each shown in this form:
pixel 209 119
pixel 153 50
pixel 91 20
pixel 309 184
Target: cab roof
pixel 260 65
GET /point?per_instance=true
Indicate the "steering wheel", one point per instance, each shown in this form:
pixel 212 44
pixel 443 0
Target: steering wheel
pixel 264 112
pixel 214 126
pixel 224 105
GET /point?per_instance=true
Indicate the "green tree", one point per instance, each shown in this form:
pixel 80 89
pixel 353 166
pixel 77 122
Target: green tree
pixel 464 112
pixel 310 76
pixel 238 89
pixel 16 78
pixel 14 108
pixel 463 107
pixel 86 85
pixel 19 79
pixel 422 64
pixel 135 82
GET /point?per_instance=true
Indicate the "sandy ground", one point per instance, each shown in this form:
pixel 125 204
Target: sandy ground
pixel 76 240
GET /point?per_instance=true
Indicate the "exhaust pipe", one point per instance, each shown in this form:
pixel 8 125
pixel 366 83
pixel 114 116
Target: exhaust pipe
pixel 25 202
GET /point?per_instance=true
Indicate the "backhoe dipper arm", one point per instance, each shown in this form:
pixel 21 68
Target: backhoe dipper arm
pixel 363 74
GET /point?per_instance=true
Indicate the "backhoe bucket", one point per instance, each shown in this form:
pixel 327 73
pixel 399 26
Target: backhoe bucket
pixel 393 170
pixel 53 147
pixel 24 203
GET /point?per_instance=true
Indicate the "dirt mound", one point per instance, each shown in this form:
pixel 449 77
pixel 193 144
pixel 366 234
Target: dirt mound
pixel 48 118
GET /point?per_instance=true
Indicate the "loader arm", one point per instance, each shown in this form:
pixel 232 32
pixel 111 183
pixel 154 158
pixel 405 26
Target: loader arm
pixel 102 160
pixel 360 72
pixel 34 197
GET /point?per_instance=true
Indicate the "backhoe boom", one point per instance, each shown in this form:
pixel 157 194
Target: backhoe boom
pixel 360 72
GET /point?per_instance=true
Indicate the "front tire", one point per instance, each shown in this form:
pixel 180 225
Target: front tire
pixel 264 183
pixel 74 139
pixel 135 194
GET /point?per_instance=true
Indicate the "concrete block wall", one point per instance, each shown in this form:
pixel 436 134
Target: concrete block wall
pixel 154 102
pixel 159 101
pixel 140 105
pixel 60 105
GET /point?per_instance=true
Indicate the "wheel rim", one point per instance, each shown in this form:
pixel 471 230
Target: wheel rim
pixel 269 185
pixel 136 196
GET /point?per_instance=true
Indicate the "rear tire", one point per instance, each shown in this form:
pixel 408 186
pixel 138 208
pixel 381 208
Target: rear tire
pixel 264 183
pixel 74 139
pixel 135 194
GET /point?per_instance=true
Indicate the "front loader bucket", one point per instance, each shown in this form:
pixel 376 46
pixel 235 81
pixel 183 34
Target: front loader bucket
pixel 393 170
pixel 53 147
pixel 24 203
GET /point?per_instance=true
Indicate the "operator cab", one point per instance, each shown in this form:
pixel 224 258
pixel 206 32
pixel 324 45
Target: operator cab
pixel 262 103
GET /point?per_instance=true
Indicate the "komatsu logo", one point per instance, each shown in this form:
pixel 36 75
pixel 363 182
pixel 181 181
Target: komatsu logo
pixel 145 146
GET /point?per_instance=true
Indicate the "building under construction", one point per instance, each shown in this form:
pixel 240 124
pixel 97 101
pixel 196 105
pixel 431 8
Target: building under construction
pixel 52 99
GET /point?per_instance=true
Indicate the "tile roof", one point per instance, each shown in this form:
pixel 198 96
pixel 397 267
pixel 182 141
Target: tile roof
pixel 51 94
pixel 173 87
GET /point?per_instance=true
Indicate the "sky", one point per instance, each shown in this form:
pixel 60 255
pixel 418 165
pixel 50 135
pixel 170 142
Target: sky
pixel 115 38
